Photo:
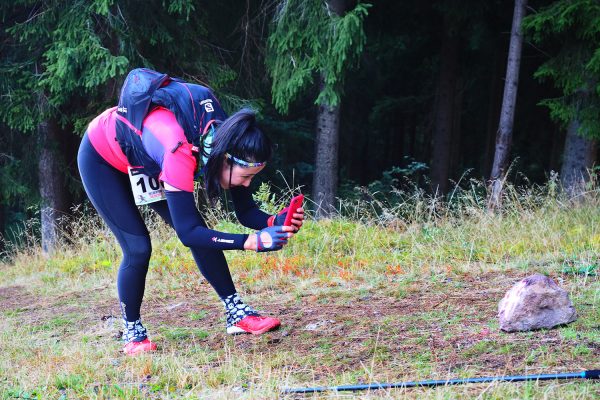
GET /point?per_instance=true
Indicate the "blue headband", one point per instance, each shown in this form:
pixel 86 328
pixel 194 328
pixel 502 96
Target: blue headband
pixel 244 163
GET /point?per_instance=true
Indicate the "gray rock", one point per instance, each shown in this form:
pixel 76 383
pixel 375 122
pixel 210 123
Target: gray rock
pixel 533 303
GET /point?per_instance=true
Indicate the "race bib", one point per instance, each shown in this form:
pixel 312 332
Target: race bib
pixel 145 189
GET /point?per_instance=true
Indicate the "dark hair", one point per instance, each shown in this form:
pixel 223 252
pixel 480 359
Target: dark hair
pixel 239 136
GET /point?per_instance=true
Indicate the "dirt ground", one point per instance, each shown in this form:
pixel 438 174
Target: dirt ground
pixel 447 322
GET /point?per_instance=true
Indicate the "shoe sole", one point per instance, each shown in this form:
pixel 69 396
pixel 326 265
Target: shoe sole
pixel 135 353
pixel 234 330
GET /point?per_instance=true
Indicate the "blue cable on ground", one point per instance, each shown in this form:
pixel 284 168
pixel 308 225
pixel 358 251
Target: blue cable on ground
pixel 590 374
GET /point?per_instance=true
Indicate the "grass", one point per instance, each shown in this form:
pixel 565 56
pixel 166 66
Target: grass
pixel 384 292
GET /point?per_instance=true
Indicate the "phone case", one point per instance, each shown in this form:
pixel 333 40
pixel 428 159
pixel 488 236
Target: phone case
pixel 294 205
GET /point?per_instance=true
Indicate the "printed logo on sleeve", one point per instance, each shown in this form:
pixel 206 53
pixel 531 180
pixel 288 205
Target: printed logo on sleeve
pixel 219 240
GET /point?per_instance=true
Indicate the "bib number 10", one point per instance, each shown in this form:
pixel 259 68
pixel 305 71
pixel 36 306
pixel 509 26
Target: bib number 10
pixel 145 189
pixel 152 182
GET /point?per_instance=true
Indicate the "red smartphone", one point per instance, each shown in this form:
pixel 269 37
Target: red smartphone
pixel 294 205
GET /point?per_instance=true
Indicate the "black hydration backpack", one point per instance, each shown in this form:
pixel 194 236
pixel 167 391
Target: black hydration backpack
pixel 194 106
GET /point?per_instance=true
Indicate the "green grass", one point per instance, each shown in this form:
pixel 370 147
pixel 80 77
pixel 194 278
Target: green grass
pixel 182 334
pixel 396 292
pixel 196 316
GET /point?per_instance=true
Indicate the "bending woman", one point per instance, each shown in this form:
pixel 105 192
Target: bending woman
pixel 237 151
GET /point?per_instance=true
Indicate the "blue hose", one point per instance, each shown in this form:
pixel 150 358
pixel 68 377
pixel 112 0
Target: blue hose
pixel 591 374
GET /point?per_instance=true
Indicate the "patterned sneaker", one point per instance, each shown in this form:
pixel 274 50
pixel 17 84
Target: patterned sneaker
pixel 255 325
pixel 132 348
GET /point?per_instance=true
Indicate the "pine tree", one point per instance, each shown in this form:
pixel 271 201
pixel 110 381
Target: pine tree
pixel 507 115
pixel 571 31
pixel 316 40
pixel 55 55
pixel 60 67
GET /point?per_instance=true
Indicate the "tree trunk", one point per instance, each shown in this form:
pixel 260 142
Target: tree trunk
pixel 339 7
pixel 363 159
pixel 2 227
pixel 558 140
pixel 493 115
pixel 398 134
pixel 507 115
pixel 455 144
pixel 412 150
pixel 325 180
pixel 579 156
pixel 442 131
pixel 111 91
pixel 50 181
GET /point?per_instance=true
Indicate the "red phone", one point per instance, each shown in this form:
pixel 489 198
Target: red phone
pixel 294 205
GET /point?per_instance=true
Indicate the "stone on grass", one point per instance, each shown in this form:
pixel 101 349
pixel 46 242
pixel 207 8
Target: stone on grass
pixel 535 302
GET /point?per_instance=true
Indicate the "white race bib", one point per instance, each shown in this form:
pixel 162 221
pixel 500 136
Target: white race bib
pixel 145 189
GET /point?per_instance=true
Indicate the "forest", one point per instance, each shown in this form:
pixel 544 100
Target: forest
pixel 448 154
pixel 380 95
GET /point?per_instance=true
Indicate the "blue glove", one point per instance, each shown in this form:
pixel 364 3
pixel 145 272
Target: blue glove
pixel 278 239
pixel 278 219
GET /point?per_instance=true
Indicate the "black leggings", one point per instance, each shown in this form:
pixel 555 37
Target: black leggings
pixel 110 192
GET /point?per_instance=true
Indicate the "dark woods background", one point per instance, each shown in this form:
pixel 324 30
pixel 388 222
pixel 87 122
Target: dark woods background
pixel 425 69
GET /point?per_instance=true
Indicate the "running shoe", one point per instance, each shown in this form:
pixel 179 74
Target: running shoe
pixel 132 348
pixel 255 325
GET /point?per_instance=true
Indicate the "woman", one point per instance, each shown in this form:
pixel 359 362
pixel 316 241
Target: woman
pixel 231 156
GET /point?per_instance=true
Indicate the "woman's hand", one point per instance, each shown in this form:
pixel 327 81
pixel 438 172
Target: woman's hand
pixel 297 218
pixel 269 239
